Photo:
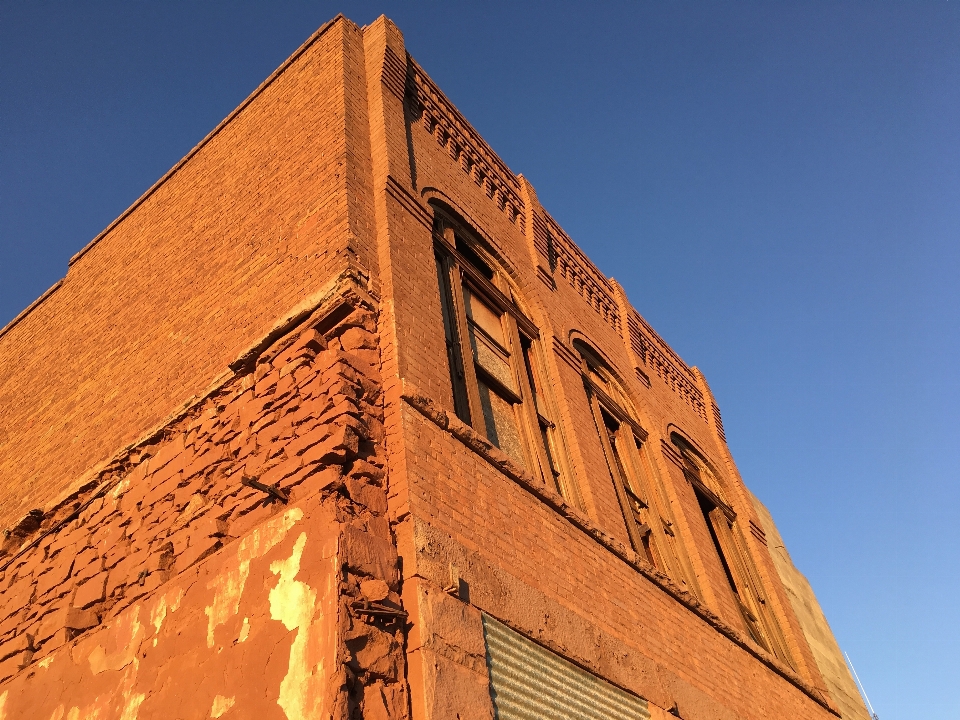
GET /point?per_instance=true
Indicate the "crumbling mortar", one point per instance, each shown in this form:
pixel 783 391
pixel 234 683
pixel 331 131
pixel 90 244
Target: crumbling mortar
pixel 81 509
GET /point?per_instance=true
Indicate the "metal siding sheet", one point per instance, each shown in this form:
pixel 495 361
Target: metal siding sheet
pixel 528 682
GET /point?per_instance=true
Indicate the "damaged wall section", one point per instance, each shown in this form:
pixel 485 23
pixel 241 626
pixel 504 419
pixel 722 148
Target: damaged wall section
pixel 237 561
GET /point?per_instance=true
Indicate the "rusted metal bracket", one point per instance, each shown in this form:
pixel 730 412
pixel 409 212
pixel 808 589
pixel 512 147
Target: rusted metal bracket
pixel 273 491
pixel 376 610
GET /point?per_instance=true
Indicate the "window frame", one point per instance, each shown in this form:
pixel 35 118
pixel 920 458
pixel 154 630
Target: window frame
pixel 744 579
pixel 532 407
pixel 642 498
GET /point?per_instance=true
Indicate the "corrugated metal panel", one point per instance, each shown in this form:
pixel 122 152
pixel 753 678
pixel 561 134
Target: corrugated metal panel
pixel 528 682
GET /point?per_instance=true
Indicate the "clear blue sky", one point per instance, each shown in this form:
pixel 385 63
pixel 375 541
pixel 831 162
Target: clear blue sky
pixel 775 184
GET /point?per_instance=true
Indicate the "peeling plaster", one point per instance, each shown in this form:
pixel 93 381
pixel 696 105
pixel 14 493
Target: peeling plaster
pixel 292 602
pixel 101 707
pixel 228 585
pixel 221 704
pixel 244 630
pixel 132 705
pixel 126 631
pixel 159 613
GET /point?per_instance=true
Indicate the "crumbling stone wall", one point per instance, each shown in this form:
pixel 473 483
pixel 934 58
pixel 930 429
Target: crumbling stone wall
pixel 236 559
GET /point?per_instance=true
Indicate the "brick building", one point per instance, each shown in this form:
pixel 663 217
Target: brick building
pixel 337 422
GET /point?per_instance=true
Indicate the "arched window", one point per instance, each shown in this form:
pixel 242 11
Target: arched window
pixel 496 371
pixel 741 574
pixel 642 497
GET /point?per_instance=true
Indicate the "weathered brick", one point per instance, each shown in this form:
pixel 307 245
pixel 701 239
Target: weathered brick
pixel 19 644
pixel 200 547
pixel 54 579
pixel 13 664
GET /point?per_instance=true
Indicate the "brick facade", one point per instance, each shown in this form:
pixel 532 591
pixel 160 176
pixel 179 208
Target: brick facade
pixel 241 479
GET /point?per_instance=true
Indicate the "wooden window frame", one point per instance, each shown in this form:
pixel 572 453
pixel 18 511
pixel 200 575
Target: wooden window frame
pixel 535 425
pixel 650 525
pixel 738 565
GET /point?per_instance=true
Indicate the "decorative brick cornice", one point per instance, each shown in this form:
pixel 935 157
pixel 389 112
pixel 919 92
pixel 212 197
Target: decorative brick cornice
pixel 582 275
pixel 452 131
pixel 499 460
pixel 655 354
pixel 394 72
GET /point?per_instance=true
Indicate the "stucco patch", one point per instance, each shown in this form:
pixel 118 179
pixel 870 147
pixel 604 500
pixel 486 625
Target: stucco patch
pixel 221 704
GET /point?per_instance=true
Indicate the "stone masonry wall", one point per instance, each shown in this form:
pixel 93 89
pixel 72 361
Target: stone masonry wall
pixel 196 526
pixel 824 645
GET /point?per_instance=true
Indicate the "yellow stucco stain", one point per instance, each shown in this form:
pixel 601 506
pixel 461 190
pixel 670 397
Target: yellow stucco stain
pixel 102 707
pixel 244 630
pixel 229 583
pixel 89 713
pixel 220 705
pixel 132 706
pixel 169 601
pixel 45 663
pixel 3 705
pixel 293 602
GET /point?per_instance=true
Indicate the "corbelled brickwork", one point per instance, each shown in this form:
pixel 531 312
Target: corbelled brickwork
pixel 332 396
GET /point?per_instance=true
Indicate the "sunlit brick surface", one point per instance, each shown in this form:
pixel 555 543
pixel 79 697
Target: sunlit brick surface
pixel 235 484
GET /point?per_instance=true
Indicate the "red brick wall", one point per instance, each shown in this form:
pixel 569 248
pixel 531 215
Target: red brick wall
pixel 251 223
pixel 476 511
pixel 559 579
pixel 295 246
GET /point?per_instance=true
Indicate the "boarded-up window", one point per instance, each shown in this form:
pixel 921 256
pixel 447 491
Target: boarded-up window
pixel 528 682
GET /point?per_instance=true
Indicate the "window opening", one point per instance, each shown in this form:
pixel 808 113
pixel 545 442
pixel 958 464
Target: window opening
pixel 741 575
pixel 641 496
pixel 458 378
pixel 636 508
pixel 495 369
pixel 471 256
pixel 710 510
pixel 547 428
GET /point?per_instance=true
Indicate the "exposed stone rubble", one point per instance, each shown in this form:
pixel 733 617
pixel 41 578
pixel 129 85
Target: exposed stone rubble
pixel 301 419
